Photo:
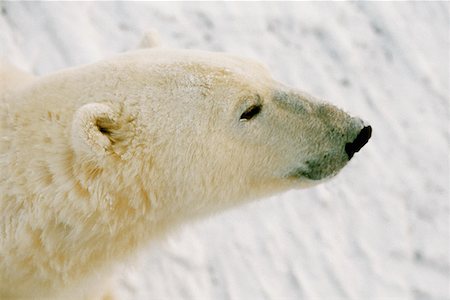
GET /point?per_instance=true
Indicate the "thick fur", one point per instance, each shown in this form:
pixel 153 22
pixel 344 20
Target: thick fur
pixel 99 160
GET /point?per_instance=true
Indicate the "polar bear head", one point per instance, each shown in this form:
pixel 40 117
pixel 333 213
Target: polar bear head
pixel 102 158
pixel 199 130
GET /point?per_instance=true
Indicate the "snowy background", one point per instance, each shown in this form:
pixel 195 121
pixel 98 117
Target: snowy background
pixel 380 229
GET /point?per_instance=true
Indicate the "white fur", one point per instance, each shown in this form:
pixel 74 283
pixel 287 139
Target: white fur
pixel 99 160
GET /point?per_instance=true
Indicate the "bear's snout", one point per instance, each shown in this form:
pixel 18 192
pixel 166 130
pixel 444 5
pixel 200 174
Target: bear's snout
pixel 361 139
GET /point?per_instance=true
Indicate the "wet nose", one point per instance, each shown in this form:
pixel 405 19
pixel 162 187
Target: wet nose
pixel 359 142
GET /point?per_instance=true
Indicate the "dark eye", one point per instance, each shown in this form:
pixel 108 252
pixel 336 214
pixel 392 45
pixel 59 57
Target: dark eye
pixel 250 112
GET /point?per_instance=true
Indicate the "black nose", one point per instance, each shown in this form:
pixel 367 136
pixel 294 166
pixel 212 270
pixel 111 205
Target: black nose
pixel 362 138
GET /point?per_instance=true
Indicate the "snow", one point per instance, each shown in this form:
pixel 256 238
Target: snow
pixel 380 229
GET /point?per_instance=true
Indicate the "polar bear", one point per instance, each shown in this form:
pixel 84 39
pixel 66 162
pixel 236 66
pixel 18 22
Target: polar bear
pixel 99 160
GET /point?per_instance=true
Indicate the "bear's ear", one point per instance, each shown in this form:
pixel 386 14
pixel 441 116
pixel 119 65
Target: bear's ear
pixel 93 129
pixel 150 39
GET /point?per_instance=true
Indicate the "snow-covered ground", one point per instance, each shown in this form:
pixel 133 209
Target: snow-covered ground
pixel 380 229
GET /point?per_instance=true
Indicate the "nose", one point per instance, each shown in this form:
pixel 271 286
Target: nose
pixel 359 142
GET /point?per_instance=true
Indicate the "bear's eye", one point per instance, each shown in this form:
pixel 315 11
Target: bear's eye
pixel 250 112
